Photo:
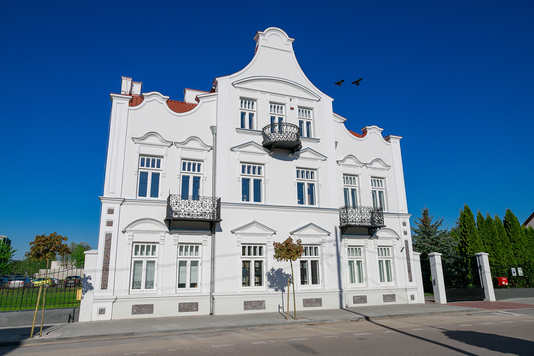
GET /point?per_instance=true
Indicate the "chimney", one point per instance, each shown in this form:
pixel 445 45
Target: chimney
pixel 126 85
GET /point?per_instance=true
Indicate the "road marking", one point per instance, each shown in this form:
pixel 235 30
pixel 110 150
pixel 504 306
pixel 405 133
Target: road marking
pixel 501 313
pixel 362 334
pixel 486 324
pixel 225 345
pixel 329 336
pixel 528 320
pixel 466 325
pixel 302 338
pixel 507 322
pixel 415 329
pixel 258 342
pixel 389 331
pixel 136 353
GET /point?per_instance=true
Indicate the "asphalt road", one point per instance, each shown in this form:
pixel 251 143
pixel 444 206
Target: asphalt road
pixel 481 333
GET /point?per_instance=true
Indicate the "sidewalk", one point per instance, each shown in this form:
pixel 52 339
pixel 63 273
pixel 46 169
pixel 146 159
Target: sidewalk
pixel 190 324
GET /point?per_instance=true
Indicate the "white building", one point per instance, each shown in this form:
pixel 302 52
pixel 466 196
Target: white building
pixel 196 192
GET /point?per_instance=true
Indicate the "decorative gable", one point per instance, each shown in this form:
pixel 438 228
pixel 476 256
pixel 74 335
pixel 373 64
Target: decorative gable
pixel 253 232
pixel 152 139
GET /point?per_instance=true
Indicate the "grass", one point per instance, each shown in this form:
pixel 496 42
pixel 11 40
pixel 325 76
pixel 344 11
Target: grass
pixel 26 298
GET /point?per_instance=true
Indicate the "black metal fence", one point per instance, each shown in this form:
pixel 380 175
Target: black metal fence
pixel 58 289
pixel 462 280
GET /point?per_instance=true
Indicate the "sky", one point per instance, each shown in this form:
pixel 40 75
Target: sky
pixel 454 78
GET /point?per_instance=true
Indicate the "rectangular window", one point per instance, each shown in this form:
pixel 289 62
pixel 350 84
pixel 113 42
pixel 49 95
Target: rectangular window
pixel 306 181
pixel 276 113
pixel 247 114
pixel 305 122
pixel 350 191
pixel 384 265
pixel 378 192
pixel 149 174
pixel 309 266
pixel 144 266
pixel 355 258
pixel 251 182
pixel 191 180
pixel 252 265
pixel 188 266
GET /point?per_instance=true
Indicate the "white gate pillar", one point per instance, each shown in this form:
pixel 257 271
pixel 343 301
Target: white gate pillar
pixel 438 282
pixel 485 275
pixel 418 277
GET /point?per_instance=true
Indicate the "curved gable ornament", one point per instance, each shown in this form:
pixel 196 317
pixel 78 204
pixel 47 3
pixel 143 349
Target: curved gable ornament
pixel 350 160
pixel 378 163
pixel 152 138
pixel 146 225
pixel 274 37
pixel 386 233
pixel 257 79
pixel 193 143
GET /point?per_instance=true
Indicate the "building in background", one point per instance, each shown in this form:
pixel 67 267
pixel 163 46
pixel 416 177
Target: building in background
pixel 4 239
pixel 196 192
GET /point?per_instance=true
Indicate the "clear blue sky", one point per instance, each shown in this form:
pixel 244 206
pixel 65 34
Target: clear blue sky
pixel 454 78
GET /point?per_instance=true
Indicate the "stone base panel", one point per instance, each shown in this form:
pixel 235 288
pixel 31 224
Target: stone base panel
pixel 381 297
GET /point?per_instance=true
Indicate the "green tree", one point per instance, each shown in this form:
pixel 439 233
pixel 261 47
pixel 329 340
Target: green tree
pixel 428 236
pixel 27 266
pixel 77 253
pixel 507 255
pixel 289 251
pixel 468 243
pixel 515 235
pixel 484 232
pixel 48 247
pixel 6 257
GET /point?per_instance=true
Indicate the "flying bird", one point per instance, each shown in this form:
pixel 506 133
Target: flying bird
pixel 357 82
pixel 339 83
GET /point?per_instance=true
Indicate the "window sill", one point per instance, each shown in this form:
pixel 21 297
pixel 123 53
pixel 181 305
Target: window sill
pixel 310 139
pixel 248 131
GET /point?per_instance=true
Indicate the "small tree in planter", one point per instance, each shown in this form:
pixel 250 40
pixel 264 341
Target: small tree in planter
pixel 289 251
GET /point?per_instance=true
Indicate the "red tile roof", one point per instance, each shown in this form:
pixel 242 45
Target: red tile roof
pixel 180 106
pixel 358 135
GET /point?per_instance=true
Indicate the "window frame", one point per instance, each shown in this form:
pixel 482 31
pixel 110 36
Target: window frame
pixel 385 259
pixel 311 256
pixel 305 119
pixel 254 174
pixel 139 255
pixel 191 169
pixel 276 114
pixel 184 255
pixel 378 192
pixel 253 254
pixel 306 180
pixel 356 254
pixel 247 107
pixel 154 169
pixel 350 191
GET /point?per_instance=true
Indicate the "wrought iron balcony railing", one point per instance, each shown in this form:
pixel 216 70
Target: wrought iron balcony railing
pixel 360 216
pixel 281 135
pixel 194 208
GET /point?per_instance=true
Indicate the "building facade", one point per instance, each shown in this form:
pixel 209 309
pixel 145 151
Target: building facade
pixel 196 192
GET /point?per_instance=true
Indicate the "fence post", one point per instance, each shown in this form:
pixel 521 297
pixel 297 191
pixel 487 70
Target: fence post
pixel 418 277
pixel 484 272
pixel 438 282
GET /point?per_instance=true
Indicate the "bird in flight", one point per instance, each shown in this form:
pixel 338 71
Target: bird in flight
pixel 339 83
pixel 357 82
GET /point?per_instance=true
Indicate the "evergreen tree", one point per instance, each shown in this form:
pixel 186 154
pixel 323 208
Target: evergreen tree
pixel 427 237
pixel 484 232
pixel 507 255
pixel 6 257
pixel 468 243
pixel 515 235
pixel 493 245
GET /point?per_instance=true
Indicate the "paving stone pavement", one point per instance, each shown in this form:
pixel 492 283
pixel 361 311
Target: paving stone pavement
pixel 190 324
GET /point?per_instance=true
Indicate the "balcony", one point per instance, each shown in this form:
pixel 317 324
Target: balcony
pixel 281 135
pixel 193 208
pixel 361 216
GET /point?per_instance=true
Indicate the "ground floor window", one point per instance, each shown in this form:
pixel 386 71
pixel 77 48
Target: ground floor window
pixel 355 259
pixel 252 265
pixel 384 265
pixel 188 266
pixel 144 266
pixel 309 266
